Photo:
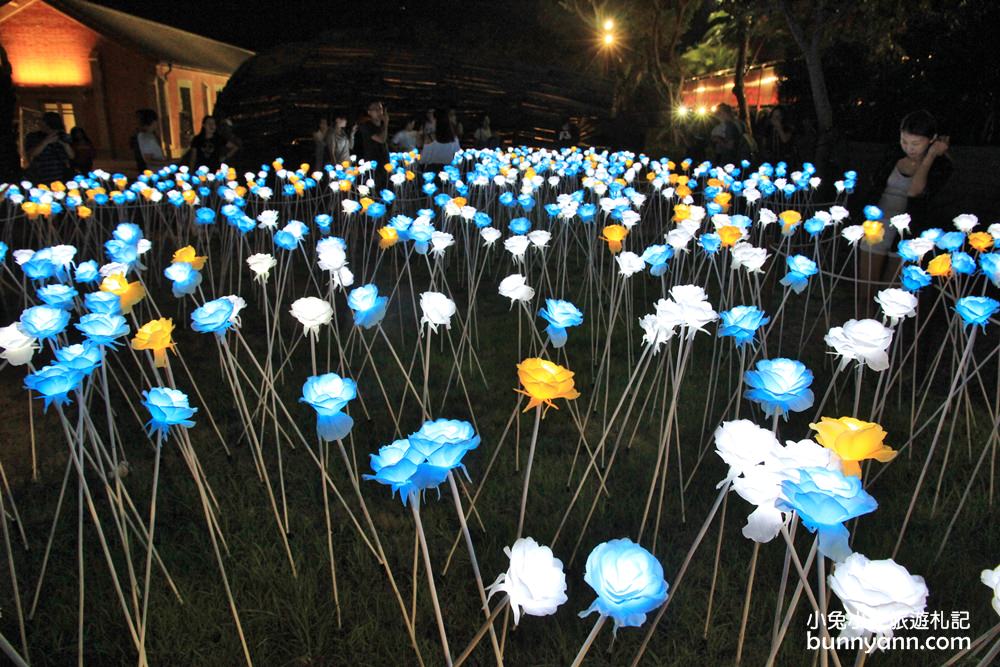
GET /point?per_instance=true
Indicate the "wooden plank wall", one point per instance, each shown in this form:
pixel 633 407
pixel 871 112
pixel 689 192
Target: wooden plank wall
pixel 274 98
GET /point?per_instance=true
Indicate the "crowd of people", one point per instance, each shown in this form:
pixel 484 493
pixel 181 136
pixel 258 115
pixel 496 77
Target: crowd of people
pixel 438 134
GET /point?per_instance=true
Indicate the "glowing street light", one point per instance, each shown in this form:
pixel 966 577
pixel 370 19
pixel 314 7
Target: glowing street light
pixel 609 39
pixel 701 111
pixel 609 25
pixel 682 111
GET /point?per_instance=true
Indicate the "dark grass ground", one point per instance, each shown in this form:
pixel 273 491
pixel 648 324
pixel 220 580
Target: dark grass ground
pixel 293 621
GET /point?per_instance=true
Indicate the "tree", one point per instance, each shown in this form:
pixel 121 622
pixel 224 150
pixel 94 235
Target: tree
pixel 648 38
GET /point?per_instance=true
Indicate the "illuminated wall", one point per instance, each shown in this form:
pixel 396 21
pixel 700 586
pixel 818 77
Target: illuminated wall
pixel 46 48
pixel 760 87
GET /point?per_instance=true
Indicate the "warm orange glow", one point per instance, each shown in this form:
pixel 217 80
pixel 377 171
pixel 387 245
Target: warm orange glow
pixel 609 39
pixel 47 48
pixel 40 70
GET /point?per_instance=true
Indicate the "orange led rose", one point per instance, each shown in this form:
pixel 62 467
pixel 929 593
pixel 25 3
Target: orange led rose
pixel 981 241
pixel 614 235
pixel 155 336
pixel 940 266
pixel 188 254
pixel 853 440
pixel 789 220
pixel 129 293
pixel 388 236
pixel 544 382
pixel 874 231
pixel 730 235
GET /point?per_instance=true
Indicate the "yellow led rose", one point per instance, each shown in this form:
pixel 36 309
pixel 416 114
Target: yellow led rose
pixel 730 235
pixel 366 202
pixel 544 382
pixel 723 199
pixel 614 235
pixel 789 220
pixel 155 336
pixel 128 293
pixel 940 266
pixel 853 440
pixel 388 236
pixel 874 231
pixel 681 211
pixel 188 254
pixel 981 241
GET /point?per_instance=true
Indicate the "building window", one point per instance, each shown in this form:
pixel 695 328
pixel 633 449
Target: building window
pixel 64 109
pixel 185 119
pixel 206 101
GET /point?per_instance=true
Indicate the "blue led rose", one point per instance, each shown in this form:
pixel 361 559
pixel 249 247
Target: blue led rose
pixel 519 226
pixel 976 310
pixel 742 323
pixel 57 295
pixel 103 302
pixel 366 304
pixel 780 385
pixel 87 272
pixel 405 470
pixel 53 383
pixel 824 499
pixel 657 257
pixel 44 322
pixel 214 317
pixel 560 315
pixel 167 407
pixel 328 395
pixel 185 278
pixel 989 264
pixel 710 242
pixel 914 278
pixel 83 357
pixel 800 269
pixel 443 442
pixel 102 329
pixel 628 581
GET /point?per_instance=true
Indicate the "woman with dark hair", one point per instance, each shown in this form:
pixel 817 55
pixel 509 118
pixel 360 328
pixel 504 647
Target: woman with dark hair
pixel 341 139
pixel 442 149
pixel 910 178
pixel 209 147
pixel 83 150
pixel 48 151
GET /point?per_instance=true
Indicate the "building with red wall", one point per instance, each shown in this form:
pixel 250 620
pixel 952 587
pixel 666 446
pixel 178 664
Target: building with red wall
pixel 703 94
pixel 96 66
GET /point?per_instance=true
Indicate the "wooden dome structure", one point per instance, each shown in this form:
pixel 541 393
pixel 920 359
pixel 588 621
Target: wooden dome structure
pixel 275 98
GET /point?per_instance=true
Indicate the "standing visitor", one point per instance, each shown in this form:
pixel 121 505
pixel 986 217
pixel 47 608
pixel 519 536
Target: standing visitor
pixel 145 142
pixel 341 140
pixel 442 150
pixel 209 147
pixel 84 151
pixel 48 150
pixel 406 139
pixel 912 174
pixel 483 136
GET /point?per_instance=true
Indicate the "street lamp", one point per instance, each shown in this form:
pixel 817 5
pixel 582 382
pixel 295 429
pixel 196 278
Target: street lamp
pixel 609 39
pixel 609 25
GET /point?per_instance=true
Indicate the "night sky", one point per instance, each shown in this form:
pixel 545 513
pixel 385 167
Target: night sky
pixel 262 24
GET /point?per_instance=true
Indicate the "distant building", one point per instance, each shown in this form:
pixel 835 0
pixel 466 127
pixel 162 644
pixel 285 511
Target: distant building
pixel 703 94
pixel 96 66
